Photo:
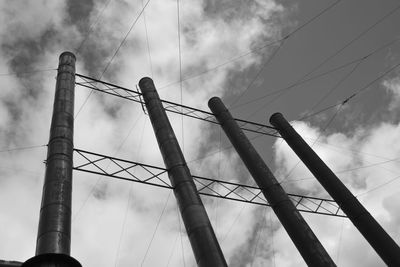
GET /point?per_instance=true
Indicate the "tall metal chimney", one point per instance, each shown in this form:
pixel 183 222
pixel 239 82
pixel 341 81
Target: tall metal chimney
pixel 297 228
pixel 54 234
pixel 198 227
pixel 383 244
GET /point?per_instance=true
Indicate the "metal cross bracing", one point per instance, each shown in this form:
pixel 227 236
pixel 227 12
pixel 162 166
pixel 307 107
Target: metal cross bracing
pixel 135 96
pixel 99 164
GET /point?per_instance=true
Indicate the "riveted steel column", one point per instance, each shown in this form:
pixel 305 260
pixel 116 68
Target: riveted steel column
pixel 54 234
pixel 298 230
pixel 198 227
pixel 383 244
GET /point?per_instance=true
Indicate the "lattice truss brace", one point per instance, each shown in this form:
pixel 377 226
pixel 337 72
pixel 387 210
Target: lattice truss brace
pixel 94 163
pixel 135 96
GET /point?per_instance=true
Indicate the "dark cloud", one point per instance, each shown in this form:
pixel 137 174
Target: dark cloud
pixel 93 46
pixel 94 55
pixel 24 54
pixel 14 111
pixel 79 13
pixel 100 191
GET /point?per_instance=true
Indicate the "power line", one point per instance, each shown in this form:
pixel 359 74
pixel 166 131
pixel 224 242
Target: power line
pixel 319 136
pixel 272 238
pixel 344 78
pixel 280 46
pixel 156 228
pixel 180 71
pixel 354 39
pixel 180 234
pixel 263 66
pixel 172 107
pixel 124 39
pixel 91 28
pixel 336 53
pixel 334 69
pixel 130 191
pixel 100 177
pixel 172 250
pixel 113 56
pixel 359 91
pixel 279 41
pixel 346 100
pixel 229 147
pixel 251 51
pixel 379 186
pixel 259 234
pixel 233 59
pixel 148 43
pixel 123 225
pixel 339 244
pixel 169 106
pixel 26 72
pixel 349 170
pixel 233 222
pixel 20 148
pixel 316 16
pixel 351 150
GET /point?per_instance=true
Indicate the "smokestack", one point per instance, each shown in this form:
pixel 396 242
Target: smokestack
pixel 298 230
pixel 10 263
pixel 198 227
pixel 383 244
pixel 54 234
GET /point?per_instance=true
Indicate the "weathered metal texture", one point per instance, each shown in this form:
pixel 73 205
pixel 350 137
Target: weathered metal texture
pixel 54 235
pixel 52 260
pixel 10 263
pixel 383 244
pixel 301 234
pixel 200 232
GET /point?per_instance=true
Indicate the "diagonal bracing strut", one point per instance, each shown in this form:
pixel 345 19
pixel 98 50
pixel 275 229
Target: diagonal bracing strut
pixel 122 92
pixel 99 164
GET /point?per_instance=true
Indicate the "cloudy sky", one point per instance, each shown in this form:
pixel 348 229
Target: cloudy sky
pixel 301 58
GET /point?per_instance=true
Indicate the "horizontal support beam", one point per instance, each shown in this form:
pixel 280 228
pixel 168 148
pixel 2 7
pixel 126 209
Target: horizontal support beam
pixel 135 96
pixel 99 164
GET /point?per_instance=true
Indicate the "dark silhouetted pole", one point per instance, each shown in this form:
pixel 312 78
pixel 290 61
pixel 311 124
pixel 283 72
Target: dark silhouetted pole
pixel 54 234
pixel 198 227
pixel 301 234
pixel 383 244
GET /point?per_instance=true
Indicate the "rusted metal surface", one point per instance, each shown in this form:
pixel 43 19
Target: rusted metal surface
pixel 301 234
pixel 52 260
pixel 200 232
pixel 383 244
pixel 10 263
pixel 54 235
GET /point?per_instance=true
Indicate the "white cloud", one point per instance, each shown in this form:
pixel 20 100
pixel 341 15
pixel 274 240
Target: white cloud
pixel 393 86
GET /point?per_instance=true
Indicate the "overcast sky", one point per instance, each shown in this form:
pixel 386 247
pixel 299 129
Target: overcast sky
pixel 224 48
